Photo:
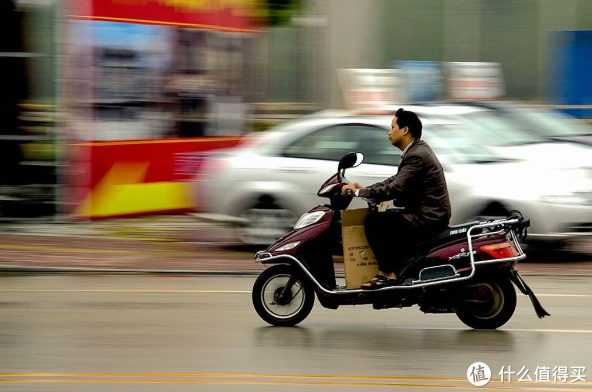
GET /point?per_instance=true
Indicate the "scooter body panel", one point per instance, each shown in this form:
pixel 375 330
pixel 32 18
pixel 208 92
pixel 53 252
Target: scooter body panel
pixel 454 253
pixel 304 234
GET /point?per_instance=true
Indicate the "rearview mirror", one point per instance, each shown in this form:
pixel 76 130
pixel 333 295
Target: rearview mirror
pixel 349 160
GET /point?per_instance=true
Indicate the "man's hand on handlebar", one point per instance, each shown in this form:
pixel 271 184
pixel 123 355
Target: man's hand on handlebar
pixel 351 188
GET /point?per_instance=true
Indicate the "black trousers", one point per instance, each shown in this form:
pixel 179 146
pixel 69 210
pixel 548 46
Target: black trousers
pixel 390 237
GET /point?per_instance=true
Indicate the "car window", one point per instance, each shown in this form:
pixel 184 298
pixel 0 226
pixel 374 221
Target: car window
pixel 495 130
pixel 550 124
pixel 454 143
pixel 334 142
pixel 376 147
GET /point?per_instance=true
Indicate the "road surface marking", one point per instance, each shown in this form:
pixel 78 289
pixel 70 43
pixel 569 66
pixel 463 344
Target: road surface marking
pixel 565 295
pixel 267 380
pixel 234 375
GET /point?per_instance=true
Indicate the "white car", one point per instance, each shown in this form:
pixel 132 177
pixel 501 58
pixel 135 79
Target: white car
pixel 547 123
pixel 266 184
pixel 515 139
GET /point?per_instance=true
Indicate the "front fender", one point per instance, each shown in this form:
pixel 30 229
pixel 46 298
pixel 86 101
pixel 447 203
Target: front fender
pixel 267 260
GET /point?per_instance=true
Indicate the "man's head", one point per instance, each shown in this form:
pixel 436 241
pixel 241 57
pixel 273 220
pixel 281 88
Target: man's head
pixel 405 127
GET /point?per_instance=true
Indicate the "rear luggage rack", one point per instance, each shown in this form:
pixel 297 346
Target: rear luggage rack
pixel 515 226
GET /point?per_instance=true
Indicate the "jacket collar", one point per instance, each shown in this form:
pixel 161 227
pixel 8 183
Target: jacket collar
pixel 414 142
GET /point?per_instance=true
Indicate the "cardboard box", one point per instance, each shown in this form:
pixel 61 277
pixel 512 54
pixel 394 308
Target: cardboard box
pixel 358 259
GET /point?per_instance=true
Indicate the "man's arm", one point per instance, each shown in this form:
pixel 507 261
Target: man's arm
pixel 392 187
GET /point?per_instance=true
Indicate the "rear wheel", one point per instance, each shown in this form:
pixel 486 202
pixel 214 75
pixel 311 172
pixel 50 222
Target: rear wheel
pixel 488 304
pixel 281 297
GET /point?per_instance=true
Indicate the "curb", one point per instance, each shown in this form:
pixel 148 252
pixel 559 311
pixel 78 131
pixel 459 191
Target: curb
pixel 114 271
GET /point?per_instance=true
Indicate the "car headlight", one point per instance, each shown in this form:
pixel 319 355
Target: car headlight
pixel 309 218
pixel 579 198
pixel 288 246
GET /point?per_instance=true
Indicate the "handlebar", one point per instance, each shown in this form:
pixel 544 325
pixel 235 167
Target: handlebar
pixel 371 203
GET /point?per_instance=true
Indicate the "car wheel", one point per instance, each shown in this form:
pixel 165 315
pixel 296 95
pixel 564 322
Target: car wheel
pixel 267 222
pixel 496 211
pixel 493 211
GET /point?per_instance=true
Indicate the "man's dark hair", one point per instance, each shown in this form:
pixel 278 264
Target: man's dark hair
pixel 410 120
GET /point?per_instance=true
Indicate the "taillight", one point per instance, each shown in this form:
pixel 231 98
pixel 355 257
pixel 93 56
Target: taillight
pixel 502 250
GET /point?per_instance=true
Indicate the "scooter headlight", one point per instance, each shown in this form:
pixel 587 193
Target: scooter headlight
pixel 327 189
pixel 289 246
pixel 309 218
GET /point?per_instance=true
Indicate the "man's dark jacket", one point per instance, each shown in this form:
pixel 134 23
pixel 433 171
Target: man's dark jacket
pixel 419 186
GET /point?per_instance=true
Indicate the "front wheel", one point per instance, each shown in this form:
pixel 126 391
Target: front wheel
pixel 281 297
pixel 488 304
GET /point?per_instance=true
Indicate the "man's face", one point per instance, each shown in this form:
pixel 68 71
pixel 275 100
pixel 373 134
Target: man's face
pixel 396 134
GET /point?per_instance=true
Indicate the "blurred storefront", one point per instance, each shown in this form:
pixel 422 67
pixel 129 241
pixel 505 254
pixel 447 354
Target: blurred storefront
pixel 119 99
pixel 519 35
pixel 149 87
pixel 28 185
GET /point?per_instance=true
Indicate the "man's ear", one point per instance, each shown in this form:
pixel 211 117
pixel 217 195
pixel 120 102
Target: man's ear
pixel 405 130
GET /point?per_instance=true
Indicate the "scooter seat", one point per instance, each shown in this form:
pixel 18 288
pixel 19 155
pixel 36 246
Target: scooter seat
pixel 412 263
pixel 451 233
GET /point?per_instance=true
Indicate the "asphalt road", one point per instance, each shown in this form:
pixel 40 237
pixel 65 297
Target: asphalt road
pixel 184 333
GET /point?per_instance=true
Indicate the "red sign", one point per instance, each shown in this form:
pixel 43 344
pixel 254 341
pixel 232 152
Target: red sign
pixel 224 15
pixel 131 178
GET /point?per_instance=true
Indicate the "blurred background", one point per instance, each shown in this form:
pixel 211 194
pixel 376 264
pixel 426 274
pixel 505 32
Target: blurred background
pixel 109 109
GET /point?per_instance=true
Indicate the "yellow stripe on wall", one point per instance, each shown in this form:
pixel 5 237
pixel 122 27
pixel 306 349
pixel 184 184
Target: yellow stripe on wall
pixel 136 198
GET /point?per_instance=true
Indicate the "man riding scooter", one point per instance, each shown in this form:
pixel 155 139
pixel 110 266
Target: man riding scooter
pixel 419 187
pixel 466 269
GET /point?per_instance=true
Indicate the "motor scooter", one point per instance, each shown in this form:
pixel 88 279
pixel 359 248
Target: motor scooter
pixel 466 269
